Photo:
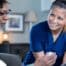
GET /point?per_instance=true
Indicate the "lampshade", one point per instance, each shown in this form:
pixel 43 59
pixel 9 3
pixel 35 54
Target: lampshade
pixel 5 36
pixel 31 16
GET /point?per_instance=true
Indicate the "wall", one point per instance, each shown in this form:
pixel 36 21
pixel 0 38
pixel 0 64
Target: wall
pixel 22 6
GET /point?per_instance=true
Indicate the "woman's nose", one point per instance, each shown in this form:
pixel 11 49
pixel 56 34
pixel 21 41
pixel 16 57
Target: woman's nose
pixel 55 20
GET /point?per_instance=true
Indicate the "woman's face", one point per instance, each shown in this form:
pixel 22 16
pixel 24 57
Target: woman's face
pixel 57 18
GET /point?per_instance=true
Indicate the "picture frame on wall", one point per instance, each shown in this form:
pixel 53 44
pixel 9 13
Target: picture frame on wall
pixel 15 22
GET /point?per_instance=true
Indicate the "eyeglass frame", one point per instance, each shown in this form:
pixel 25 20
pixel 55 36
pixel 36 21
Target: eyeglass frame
pixel 5 13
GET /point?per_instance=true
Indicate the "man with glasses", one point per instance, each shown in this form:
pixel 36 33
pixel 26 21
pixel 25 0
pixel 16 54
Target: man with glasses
pixel 4 10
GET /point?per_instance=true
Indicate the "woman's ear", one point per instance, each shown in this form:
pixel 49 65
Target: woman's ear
pixel 64 30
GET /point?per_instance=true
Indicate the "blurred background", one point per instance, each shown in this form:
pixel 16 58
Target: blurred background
pixel 35 10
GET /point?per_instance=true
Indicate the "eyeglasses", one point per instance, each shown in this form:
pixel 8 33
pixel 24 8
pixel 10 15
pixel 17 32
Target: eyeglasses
pixel 5 12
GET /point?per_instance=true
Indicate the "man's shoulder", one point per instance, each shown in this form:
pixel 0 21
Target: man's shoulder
pixel 41 26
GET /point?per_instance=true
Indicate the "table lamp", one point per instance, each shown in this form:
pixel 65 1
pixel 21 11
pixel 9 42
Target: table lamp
pixel 31 17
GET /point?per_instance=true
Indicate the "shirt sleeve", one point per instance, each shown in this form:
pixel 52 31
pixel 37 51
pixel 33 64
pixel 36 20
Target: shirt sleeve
pixel 65 41
pixel 35 40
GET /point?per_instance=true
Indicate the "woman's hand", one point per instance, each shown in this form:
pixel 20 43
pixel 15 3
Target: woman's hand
pixel 46 60
pixel 50 60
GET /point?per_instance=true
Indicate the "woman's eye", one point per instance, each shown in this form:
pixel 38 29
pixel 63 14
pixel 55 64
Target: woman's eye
pixel 51 14
pixel 60 18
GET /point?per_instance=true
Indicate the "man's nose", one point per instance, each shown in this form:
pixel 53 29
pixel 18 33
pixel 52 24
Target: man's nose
pixel 5 17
